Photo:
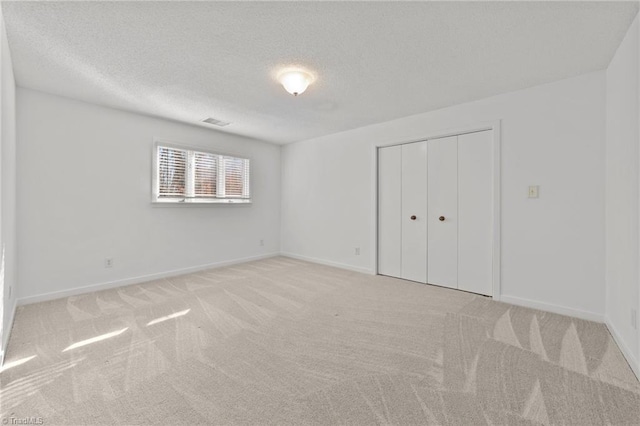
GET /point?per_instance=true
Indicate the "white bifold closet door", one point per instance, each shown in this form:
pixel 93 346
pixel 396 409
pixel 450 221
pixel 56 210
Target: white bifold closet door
pixel 402 211
pixel 414 211
pixel 435 217
pixel 390 211
pixel 443 212
pixel 475 212
pixel 460 212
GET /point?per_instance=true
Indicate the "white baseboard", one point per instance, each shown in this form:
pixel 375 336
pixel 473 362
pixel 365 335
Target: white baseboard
pixel 7 335
pixel 135 280
pixel 329 263
pixel 633 362
pixel 556 309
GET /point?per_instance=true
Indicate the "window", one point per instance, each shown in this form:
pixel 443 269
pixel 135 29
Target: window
pixel 183 175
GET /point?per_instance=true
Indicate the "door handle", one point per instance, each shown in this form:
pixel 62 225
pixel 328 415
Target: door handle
pixel 413 217
pixel 441 218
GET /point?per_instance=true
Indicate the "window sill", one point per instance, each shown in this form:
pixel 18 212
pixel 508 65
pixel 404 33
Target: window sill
pixel 200 202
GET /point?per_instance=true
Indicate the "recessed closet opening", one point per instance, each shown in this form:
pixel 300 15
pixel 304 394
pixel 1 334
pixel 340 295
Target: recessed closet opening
pixel 438 207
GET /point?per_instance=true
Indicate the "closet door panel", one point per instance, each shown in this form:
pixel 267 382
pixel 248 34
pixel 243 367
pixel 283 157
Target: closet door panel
pixel 443 212
pixel 414 211
pixel 475 222
pixel 389 211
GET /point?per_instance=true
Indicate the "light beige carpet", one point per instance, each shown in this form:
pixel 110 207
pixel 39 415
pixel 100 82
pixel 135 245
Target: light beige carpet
pixel 281 341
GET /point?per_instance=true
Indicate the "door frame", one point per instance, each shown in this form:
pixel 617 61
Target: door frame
pixel 495 127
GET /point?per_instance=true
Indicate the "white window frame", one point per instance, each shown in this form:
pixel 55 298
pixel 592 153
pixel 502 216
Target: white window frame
pixel 220 185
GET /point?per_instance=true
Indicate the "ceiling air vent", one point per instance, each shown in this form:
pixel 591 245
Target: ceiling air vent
pixel 215 122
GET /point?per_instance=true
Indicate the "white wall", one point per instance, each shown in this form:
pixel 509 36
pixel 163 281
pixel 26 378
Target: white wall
pixel 623 189
pixel 8 271
pixel 84 194
pixel 552 136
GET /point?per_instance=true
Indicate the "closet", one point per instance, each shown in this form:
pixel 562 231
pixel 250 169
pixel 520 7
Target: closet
pixel 435 216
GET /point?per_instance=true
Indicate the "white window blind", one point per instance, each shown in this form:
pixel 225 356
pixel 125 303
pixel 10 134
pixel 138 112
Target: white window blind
pixel 205 168
pixel 172 170
pixel 236 176
pixel 192 176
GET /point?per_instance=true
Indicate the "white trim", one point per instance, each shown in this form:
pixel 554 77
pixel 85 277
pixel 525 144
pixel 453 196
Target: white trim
pixel 329 263
pixel 374 191
pixel 7 335
pixel 495 127
pixel 445 133
pixel 633 363
pixel 556 309
pixel 497 210
pixel 188 146
pixel 135 280
pixel 199 201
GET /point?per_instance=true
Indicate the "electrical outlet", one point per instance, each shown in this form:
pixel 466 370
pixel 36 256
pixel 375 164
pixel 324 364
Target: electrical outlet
pixel 108 262
pixel 533 191
pixel 634 318
pixel 357 251
pixel 261 243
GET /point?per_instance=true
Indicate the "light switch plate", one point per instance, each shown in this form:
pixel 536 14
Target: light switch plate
pixel 533 191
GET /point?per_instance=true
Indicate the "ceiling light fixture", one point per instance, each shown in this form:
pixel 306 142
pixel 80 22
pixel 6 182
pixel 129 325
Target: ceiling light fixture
pixel 295 81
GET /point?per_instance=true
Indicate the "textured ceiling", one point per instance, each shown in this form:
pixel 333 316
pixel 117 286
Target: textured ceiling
pixel 374 61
